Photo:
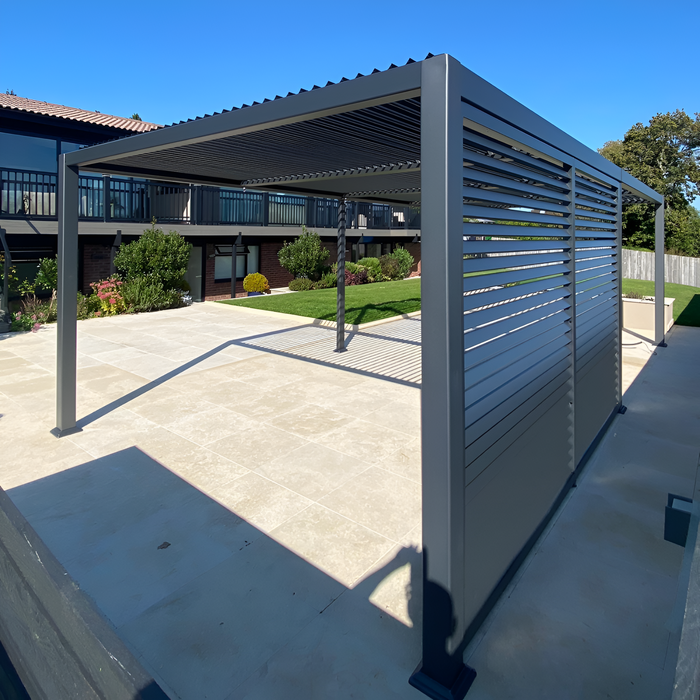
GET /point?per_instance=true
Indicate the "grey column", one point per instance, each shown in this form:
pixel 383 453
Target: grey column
pixel 66 355
pixel 620 317
pixel 659 277
pixel 340 312
pixel 442 305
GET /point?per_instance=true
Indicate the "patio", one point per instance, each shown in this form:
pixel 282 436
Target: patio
pixel 317 468
pixel 247 514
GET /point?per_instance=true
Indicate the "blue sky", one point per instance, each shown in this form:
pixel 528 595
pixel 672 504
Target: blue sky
pixel 592 68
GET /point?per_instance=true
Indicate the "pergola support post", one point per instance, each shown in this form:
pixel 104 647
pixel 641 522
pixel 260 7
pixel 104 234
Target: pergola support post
pixel 340 312
pixel 659 277
pixel 442 673
pixel 67 341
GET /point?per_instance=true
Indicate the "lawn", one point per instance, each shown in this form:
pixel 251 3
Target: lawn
pixel 686 307
pixel 363 303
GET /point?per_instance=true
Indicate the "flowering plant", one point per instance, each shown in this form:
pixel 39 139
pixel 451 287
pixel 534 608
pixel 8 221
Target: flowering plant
pixel 110 295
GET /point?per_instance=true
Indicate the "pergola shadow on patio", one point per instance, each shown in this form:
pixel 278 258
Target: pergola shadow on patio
pixel 521 327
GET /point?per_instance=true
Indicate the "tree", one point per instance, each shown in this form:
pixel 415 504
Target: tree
pixel 665 154
pixel 135 117
pixel 304 257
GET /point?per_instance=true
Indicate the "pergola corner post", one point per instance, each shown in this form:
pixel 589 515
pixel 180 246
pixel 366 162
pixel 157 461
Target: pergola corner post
pixel 67 341
pixel 659 277
pixel 442 673
pixel 340 312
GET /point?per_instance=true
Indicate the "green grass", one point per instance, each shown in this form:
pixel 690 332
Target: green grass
pixel 363 303
pixel 686 307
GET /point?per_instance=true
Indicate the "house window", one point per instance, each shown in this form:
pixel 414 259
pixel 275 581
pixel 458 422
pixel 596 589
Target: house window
pixel 27 153
pixel 246 263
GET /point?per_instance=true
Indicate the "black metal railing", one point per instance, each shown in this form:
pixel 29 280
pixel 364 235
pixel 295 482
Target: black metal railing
pixel 29 194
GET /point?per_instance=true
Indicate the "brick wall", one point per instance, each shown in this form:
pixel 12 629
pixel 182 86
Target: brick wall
pixel 270 266
pixel 414 250
pixel 213 290
pixel 95 264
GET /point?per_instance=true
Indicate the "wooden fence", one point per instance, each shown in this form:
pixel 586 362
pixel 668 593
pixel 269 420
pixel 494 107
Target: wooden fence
pixel 639 265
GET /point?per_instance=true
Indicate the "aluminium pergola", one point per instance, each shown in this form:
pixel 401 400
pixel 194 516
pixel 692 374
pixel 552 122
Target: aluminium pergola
pixel 521 334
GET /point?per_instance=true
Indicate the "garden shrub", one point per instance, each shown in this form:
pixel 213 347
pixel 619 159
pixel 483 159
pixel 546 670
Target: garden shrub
pixel 391 269
pixel 162 256
pixel 34 313
pixel 47 277
pixel 88 306
pixel 327 281
pixel 304 257
pixel 149 294
pixel 255 282
pixel 405 260
pixel 301 284
pixel 109 293
pixel 373 267
pixel 354 278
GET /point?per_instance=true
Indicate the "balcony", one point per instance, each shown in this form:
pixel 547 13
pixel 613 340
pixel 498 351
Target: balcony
pixel 28 194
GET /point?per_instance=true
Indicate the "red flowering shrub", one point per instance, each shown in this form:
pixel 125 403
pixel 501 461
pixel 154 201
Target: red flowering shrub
pixel 110 295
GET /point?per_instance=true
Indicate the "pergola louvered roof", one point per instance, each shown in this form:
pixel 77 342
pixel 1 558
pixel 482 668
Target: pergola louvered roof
pixel 359 138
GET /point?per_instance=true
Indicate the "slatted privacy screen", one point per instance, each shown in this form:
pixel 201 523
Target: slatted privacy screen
pixel 538 233
pixel 597 304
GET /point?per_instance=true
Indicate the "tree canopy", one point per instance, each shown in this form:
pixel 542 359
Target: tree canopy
pixel 665 154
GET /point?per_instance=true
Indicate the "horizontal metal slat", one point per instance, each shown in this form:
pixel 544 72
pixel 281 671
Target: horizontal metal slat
pixel 588 266
pixel 595 331
pixel 512 169
pixel 597 243
pixel 505 325
pixel 488 432
pixel 476 212
pixel 587 273
pixel 589 190
pixel 504 149
pixel 595 347
pixel 534 379
pixel 605 352
pixel 610 297
pixel 512 246
pixel 493 296
pixel 474 282
pixel 484 229
pixel 509 380
pixel 598 181
pixel 595 215
pixel 597 235
pixel 497 365
pixel 510 199
pixel 584 296
pixel 595 282
pixel 598 317
pixel 550 328
pixel 580 223
pixel 508 308
pixel 508 261
pixel 595 253
pixel 582 201
pixel 472 175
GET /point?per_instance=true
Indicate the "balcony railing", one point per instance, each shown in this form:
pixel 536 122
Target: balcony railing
pixel 28 194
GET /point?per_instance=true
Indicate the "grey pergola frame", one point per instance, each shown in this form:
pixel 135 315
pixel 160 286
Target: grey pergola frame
pixel 386 169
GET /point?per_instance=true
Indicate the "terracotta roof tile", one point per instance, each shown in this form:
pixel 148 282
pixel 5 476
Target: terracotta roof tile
pixel 80 115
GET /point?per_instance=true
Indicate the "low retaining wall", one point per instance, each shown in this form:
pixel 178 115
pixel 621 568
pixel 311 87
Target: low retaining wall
pixel 60 645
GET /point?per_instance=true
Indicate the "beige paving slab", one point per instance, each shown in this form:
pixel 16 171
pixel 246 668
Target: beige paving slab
pixel 310 421
pixel 406 461
pixel 312 470
pixel 111 382
pixel 206 426
pixel 397 415
pixel 340 547
pixel 364 440
pixel 381 501
pixel 254 445
pixel 261 502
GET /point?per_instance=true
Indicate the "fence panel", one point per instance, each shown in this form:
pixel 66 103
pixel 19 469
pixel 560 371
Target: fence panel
pixel 639 265
pixel 26 193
